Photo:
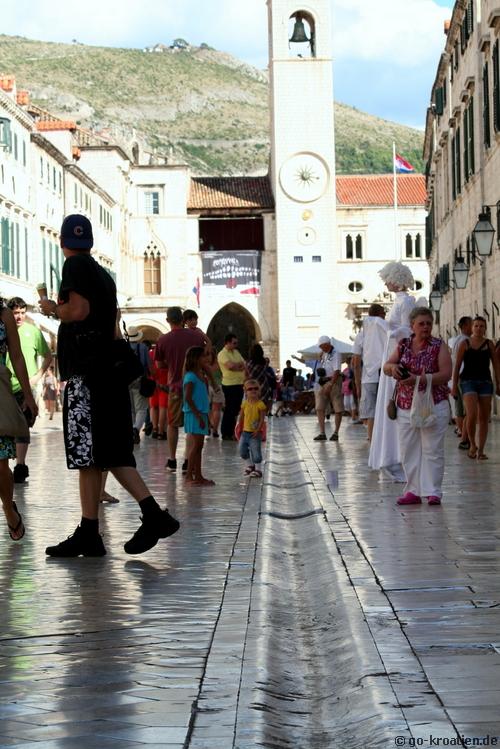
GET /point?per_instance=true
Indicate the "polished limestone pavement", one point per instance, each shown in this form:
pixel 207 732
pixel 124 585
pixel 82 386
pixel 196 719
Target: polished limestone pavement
pixel 285 612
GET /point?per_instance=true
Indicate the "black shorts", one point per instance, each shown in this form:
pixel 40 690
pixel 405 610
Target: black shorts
pixel 97 421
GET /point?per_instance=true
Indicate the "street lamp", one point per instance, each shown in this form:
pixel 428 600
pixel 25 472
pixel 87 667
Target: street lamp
pixel 483 233
pixel 460 273
pixel 436 300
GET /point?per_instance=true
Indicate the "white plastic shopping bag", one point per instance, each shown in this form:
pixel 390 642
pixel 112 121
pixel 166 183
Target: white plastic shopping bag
pixel 422 408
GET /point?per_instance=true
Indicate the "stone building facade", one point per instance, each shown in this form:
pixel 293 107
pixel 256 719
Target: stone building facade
pixel 280 259
pixel 462 151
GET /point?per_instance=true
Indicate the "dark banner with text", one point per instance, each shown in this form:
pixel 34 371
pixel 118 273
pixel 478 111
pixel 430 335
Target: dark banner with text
pixel 233 270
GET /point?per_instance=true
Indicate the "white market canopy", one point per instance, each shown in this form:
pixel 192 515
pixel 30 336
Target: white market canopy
pixel 314 352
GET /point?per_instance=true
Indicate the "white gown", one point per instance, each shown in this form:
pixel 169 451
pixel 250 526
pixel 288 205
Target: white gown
pixel 384 447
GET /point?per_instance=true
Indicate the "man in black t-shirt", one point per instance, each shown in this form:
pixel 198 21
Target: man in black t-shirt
pixel 287 384
pixel 95 397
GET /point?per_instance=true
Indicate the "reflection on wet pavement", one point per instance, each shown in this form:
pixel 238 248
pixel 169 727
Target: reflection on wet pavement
pixel 279 615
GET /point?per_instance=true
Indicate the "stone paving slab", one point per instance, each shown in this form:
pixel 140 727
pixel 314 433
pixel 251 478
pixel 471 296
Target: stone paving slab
pixel 389 612
pixel 436 568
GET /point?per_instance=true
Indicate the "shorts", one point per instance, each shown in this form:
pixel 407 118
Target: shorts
pixel 191 424
pixel 19 396
pixel 368 400
pixel 159 399
pixel 335 398
pixel 482 388
pixel 216 395
pixel 175 416
pixel 90 407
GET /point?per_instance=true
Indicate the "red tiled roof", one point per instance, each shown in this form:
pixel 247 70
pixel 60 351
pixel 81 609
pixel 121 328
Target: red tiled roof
pixel 226 193
pixel 44 125
pixel 378 189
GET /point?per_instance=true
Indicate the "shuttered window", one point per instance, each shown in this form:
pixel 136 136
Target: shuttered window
pixel 486 107
pixel 152 273
pixel 496 88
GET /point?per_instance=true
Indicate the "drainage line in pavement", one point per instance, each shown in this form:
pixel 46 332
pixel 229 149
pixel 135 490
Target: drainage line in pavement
pixel 381 588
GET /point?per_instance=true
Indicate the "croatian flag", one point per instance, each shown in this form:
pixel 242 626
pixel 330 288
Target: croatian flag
pixel 402 166
pixel 196 291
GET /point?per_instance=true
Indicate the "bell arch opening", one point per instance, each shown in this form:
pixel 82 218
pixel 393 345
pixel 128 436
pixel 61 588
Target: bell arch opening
pixel 233 318
pixel 302 35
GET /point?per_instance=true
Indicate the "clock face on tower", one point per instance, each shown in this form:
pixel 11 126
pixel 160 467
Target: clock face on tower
pixel 304 177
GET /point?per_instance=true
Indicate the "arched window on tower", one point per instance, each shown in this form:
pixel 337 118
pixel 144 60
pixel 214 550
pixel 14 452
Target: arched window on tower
pixel 302 35
pixel 152 270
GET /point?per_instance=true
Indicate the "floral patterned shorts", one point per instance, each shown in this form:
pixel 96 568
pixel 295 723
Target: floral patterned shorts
pixel 87 413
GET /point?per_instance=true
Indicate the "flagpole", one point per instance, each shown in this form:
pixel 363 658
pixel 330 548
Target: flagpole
pixel 395 190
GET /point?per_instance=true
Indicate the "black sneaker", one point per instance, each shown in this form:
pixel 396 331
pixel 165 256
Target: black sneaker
pixel 321 437
pixel 160 525
pixel 137 437
pixel 154 434
pixel 148 429
pixel 464 445
pixel 334 437
pixel 171 465
pixel 185 467
pixel 79 544
pixel 21 473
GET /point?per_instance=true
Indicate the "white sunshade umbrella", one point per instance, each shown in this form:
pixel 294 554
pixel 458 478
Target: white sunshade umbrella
pixel 314 352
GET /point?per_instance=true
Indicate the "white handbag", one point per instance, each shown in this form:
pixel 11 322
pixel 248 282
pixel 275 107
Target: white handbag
pixel 422 413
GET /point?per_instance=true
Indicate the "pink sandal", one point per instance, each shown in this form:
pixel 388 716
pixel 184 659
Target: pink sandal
pixel 433 500
pixel 409 499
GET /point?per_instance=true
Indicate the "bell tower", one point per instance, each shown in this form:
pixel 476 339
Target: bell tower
pixel 303 169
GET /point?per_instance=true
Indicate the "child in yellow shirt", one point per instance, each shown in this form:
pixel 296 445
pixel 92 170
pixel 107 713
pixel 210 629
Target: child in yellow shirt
pixel 251 422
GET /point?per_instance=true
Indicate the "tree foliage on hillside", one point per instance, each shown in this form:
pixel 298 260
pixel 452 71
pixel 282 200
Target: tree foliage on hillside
pixel 210 108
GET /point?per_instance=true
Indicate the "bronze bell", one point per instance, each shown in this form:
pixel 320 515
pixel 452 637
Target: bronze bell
pixel 299 35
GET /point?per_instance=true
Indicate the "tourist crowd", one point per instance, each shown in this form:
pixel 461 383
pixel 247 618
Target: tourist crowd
pixel 396 381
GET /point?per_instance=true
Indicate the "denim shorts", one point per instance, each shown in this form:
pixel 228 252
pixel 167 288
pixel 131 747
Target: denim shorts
pixel 482 388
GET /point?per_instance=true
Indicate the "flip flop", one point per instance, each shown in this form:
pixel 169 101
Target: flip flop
pixel 472 454
pixel 482 456
pixel 109 499
pixel 20 524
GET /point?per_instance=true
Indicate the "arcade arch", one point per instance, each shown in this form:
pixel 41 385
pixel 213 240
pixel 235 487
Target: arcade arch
pixel 233 318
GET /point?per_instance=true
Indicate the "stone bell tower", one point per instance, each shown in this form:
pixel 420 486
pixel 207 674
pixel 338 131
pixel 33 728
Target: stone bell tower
pixel 303 169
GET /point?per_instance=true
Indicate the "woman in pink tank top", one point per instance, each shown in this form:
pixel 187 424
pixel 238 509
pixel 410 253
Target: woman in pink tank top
pixel 422 449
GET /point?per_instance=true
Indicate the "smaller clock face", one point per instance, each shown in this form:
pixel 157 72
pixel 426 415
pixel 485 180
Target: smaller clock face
pixel 304 177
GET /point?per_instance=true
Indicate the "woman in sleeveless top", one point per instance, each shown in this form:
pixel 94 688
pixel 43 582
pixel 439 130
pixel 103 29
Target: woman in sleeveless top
pixel 476 354
pixel 422 449
pixel 9 342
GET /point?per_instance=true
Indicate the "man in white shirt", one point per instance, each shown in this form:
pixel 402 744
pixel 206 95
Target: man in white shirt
pixel 328 388
pixel 465 327
pixel 367 362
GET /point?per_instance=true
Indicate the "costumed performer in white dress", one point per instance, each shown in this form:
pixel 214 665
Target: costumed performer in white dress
pixel 384 447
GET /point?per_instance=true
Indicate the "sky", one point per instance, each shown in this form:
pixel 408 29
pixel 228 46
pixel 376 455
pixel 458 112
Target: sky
pixel 386 52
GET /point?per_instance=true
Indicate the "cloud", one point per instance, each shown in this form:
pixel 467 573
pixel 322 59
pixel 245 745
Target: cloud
pixel 404 32
pixel 380 46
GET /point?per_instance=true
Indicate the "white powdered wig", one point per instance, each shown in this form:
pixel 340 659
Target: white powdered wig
pixel 397 273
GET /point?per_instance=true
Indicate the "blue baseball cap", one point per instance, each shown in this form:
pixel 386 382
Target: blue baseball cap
pixel 76 232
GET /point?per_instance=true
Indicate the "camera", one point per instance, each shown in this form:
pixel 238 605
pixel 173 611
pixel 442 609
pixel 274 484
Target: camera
pixel 321 375
pixel 405 373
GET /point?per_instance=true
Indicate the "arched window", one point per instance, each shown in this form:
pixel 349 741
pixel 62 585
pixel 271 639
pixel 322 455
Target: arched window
pixel 302 35
pixel 409 245
pixel 359 247
pixel 152 270
pixel 349 248
pixel 418 246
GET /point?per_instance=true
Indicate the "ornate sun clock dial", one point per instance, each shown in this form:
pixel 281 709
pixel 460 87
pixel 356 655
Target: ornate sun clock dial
pixel 304 177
